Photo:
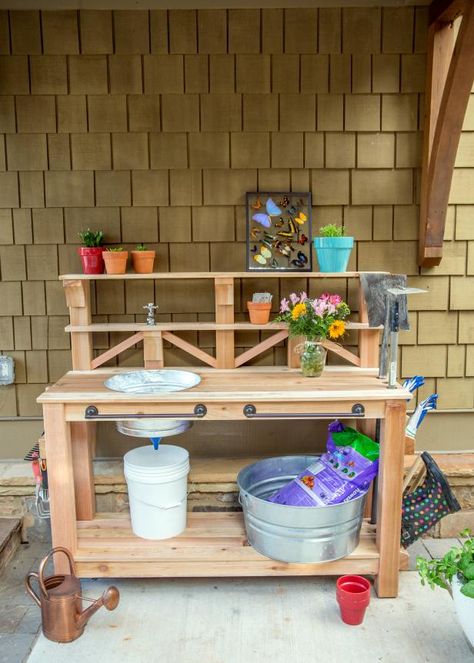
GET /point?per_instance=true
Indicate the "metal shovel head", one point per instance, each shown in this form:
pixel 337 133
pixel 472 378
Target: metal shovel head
pixel 376 288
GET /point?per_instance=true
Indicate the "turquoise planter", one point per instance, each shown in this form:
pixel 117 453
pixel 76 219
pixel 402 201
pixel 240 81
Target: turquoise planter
pixel 333 253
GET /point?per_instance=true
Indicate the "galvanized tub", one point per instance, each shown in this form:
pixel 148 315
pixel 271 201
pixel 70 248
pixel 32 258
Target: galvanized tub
pixel 295 533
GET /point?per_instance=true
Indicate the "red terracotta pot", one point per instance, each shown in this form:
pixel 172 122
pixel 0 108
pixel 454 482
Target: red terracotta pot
pixel 259 312
pixel 353 596
pixel 91 258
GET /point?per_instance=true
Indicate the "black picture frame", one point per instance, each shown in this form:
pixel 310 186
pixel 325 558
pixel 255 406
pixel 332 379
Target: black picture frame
pixel 256 233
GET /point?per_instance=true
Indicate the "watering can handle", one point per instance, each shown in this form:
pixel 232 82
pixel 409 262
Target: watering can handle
pixel 45 560
pixel 30 589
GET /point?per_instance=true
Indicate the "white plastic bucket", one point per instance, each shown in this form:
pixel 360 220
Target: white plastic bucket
pixel 157 490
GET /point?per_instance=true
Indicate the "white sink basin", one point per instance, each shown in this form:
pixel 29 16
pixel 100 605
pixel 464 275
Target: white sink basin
pixel 152 382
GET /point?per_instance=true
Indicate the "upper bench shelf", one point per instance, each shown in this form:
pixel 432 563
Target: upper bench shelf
pixel 214 275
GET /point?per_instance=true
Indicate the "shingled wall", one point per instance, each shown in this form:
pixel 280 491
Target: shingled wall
pixel 152 125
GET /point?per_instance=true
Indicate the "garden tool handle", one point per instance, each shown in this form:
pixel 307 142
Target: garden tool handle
pixel 44 561
pixel 30 589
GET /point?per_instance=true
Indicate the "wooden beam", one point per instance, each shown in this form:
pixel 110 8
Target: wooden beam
pixel 153 349
pixel 190 349
pixel 224 301
pixel 116 350
pixel 342 352
pixel 260 347
pixel 449 70
pixel 445 11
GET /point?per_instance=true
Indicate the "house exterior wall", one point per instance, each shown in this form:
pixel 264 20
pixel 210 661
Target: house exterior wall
pixel 152 125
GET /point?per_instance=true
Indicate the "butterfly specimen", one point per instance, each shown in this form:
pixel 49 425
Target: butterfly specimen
pixel 301 218
pixel 271 210
pixel 257 204
pixel 301 260
pixel 264 255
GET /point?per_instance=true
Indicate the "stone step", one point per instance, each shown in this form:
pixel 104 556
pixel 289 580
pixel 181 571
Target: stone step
pixel 10 539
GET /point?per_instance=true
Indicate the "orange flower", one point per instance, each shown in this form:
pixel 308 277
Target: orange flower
pixel 337 329
pixel 298 311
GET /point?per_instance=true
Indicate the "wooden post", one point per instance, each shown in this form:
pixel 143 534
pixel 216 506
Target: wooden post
pixel 153 349
pixel 389 506
pixel 83 451
pixel 61 482
pixel 293 359
pixel 224 298
pixel 449 81
pixel 78 299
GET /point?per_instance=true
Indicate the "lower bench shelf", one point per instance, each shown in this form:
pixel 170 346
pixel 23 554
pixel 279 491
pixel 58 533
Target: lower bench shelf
pixel 213 545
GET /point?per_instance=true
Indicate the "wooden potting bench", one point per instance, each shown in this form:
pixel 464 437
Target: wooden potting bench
pixel 214 544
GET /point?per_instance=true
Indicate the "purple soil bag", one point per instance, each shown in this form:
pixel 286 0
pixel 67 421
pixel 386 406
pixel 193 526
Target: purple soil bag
pixel 341 474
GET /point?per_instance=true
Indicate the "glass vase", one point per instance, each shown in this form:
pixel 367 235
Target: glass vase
pixel 313 358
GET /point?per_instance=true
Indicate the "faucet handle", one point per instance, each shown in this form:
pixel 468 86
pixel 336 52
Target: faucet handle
pixel 150 307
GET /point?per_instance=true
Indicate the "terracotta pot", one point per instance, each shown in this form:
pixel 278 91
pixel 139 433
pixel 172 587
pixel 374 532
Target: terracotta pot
pixel 353 596
pixel 115 262
pixel 142 261
pixel 259 312
pixel 91 258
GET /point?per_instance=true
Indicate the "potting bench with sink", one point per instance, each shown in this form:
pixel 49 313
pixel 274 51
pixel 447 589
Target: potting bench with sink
pixel 214 544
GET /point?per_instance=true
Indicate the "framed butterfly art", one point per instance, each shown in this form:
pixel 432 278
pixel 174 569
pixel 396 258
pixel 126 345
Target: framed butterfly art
pixel 278 231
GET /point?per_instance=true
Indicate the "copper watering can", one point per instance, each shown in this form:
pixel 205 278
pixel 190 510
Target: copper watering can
pixel 60 600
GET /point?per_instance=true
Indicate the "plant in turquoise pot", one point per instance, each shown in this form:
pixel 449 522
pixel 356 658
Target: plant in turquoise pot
pixel 333 248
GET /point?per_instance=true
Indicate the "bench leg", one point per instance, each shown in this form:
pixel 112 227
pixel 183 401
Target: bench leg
pixel 389 499
pixel 83 449
pixel 60 482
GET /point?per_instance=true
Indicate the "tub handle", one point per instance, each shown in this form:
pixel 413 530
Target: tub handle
pixel 199 412
pixel 250 411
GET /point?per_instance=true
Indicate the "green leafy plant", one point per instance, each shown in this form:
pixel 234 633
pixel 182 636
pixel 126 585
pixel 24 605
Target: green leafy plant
pixel 141 247
pixel 91 238
pixel 115 249
pixel 458 561
pixel 331 230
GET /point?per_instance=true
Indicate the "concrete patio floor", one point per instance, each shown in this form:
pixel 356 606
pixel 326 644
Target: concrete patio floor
pixel 237 621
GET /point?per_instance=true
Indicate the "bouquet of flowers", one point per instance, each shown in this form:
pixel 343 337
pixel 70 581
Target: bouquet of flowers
pixel 315 319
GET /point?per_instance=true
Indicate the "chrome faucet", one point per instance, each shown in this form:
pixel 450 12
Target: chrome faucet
pixel 150 318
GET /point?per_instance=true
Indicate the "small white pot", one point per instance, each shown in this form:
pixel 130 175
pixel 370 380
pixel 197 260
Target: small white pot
pixel 464 609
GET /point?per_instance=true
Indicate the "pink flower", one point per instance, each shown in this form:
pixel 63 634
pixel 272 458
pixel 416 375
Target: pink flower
pixel 294 298
pixel 319 307
pixel 325 296
pixel 331 308
pixel 284 305
pixel 335 299
pixel 303 296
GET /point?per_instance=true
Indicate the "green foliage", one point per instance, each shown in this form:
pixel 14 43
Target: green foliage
pixel 91 238
pixel 331 230
pixel 458 561
pixel 141 247
pixel 115 249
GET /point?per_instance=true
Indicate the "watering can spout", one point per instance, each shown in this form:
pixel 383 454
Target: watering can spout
pixel 109 599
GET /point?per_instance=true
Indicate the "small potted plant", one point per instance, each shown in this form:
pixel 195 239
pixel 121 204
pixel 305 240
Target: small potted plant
pixel 91 251
pixel 333 248
pixel 143 259
pixel 115 259
pixel 259 308
pixel 455 573
pixel 315 320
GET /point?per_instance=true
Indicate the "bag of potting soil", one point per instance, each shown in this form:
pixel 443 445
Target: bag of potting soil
pixel 341 474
